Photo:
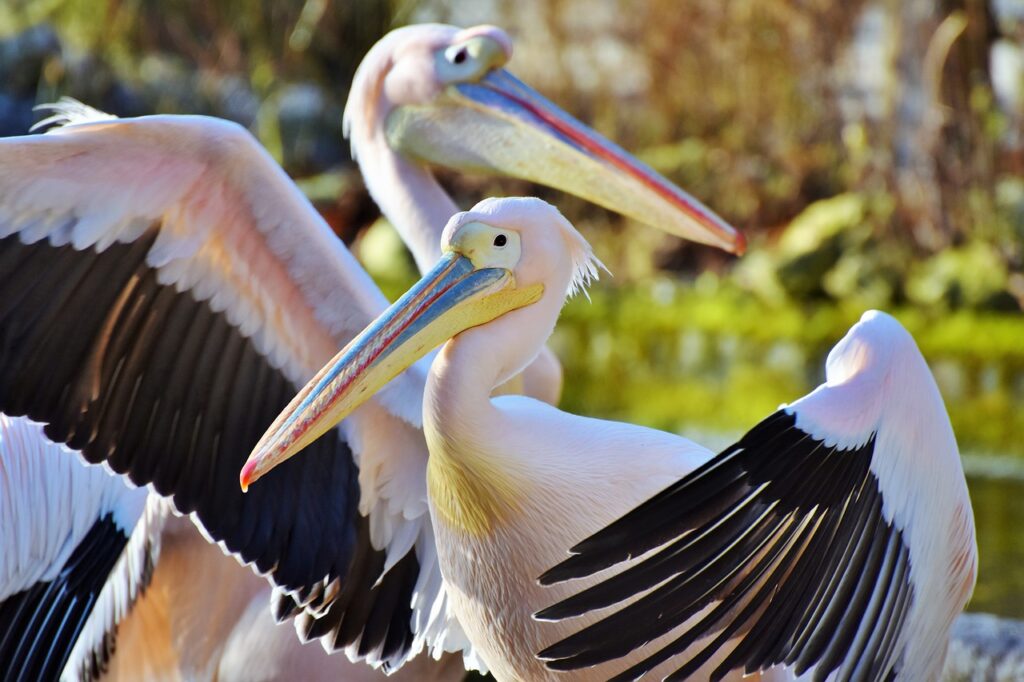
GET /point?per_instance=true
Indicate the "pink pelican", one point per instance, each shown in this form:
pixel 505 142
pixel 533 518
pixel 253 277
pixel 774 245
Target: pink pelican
pixel 164 288
pixel 835 539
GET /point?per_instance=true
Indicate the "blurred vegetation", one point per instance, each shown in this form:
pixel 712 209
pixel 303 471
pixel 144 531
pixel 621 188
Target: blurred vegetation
pixel 872 151
pixel 711 357
pixel 874 129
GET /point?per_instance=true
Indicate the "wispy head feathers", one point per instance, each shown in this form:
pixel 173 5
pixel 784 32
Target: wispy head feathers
pixel 586 266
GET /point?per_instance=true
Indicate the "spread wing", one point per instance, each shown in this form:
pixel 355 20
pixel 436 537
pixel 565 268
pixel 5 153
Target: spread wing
pixel 164 290
pixel 835 538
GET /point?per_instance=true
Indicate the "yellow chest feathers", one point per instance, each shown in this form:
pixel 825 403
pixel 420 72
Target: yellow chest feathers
pixel 470 492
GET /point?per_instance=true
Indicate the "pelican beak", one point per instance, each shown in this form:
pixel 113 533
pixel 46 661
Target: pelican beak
pixel 498 124
pixel 454 296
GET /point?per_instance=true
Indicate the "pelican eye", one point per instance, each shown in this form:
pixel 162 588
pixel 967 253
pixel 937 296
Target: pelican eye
pixel 457 54
pixel 469 59
pixel 487 246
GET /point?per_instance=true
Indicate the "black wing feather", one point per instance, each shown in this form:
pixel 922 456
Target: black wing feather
pixel 164 389
pixel 783 534
pixel 40 625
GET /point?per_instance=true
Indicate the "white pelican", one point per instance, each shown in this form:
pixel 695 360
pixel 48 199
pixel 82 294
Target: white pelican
pixel 837 533
pixel 164 288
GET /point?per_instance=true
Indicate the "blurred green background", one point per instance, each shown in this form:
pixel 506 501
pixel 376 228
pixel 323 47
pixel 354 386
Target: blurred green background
pixel 872 152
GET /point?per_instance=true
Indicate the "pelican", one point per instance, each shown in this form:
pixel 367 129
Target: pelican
pixel 837 536
pixel 164 288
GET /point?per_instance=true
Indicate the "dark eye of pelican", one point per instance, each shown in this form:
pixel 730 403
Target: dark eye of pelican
pixel 459 56
pixel 500 240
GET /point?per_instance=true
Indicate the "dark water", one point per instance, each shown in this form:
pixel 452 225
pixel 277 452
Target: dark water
pixel 999 522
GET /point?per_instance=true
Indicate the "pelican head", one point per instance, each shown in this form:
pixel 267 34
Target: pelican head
pixel 440 95
pixel 497 258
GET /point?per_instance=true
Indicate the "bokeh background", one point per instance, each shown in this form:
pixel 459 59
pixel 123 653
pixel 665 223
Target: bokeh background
pixel 871 150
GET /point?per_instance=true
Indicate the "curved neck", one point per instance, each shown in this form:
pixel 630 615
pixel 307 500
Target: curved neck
pixel 475 482
pixel 474 362
pixel 470 490
pixel 408 195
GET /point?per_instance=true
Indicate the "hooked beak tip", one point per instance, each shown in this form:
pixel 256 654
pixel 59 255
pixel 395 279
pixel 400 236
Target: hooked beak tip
pixel 248 475
pixel 740 246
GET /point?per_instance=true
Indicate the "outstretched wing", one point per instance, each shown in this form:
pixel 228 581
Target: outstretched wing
pixel 835 538
pixel 63 527
pixel 164 290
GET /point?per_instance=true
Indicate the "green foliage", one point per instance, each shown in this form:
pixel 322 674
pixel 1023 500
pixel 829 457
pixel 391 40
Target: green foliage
pixel 973 276
pixel 816 241
pixel 385 257
pixel 741 103
pixel 717 358
pixel 832 251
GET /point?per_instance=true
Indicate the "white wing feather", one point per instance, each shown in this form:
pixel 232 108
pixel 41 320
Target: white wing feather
pixel 49 499
pixel 128 579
